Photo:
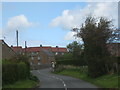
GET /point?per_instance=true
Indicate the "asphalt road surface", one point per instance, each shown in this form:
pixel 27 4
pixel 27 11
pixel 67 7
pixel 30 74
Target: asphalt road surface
pixel 50 80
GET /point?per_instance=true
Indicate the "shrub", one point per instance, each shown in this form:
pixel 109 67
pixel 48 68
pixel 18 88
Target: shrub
pixel 23 70
pixel 59 68
pixel 34 78
pixel 13 71
pixel 70 62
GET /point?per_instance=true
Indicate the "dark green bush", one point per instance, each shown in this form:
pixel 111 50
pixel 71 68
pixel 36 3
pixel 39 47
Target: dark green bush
pixel 12 71
pixel 34 78
pixel 70 62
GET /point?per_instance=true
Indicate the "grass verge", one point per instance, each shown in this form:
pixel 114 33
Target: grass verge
pixel 105 81
pixel 22 84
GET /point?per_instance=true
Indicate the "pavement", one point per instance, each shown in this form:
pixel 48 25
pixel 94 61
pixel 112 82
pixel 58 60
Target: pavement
pixel 50 80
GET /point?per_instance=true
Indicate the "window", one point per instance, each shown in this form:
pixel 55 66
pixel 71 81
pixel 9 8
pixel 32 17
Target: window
pixel 32 58
pixel 39 63
pixel 23 53
pixel 39 58
pixel 56 53
pixel 31 63
pixel 62 53
pixel 36 52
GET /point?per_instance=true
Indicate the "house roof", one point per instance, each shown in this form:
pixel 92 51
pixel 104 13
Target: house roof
pixel 48 52
pixel 32 49
pixel 58 49
pixel 37 49
pixel 17 49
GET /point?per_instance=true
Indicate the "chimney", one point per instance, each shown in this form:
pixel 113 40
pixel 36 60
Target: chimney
pixel 17 37
pixel 41 45
pixel 57 48
pixel 11 45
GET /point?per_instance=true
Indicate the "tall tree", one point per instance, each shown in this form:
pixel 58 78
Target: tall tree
pixel 95 33
pixel 75 49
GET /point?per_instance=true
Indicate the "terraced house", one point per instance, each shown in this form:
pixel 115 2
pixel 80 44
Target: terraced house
pixel 6 52
pixel 42 56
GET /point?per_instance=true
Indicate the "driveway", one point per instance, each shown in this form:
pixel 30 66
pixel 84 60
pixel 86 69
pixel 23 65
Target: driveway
pixel 50 80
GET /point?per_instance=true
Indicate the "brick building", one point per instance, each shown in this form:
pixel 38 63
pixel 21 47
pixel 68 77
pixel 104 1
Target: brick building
pixel 5 51
pixel 114 49
pixel 40 56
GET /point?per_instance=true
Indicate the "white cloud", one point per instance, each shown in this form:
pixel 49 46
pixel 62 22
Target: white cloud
pixel 16 22
pixel 75 18
pixel 19 22
pixel 70 36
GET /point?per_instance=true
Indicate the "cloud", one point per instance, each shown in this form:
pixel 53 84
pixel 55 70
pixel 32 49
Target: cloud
pixel 16 22
pixel 74 18
pixel 19 22
pixel 70 36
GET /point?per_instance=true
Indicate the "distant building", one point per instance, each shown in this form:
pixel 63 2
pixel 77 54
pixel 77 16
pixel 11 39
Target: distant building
pixel 5 51
pixel 40 56
pixel 59 51
pixel 17 50
pixel 114 48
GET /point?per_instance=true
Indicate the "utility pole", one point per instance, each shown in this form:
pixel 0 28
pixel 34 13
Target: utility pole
pixel 17 37
pixel 25 47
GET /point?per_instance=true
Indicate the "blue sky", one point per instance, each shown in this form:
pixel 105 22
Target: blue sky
pixel 46 23
pixel 42 14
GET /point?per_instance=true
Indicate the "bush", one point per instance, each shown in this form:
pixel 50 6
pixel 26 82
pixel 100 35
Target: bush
pixel 34 78
pixel 59 68
pixel 23 71
pixel 12 71
pixel 70 62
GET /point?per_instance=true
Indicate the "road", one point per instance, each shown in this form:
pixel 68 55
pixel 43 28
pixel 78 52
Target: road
pixel 50 80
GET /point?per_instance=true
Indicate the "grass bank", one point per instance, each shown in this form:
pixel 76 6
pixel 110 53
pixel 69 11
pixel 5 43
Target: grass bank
pixel 105 81
pixel 22 84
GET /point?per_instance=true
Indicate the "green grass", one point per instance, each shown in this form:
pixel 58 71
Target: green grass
pixel 22 84
pixel 105 81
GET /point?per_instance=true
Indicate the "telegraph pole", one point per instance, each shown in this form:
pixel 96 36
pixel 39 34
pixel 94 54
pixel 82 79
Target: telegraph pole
pixel 17 37
pixel 25 47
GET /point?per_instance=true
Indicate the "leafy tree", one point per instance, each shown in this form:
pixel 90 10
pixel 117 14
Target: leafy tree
pixel 75 49
pixel 95 35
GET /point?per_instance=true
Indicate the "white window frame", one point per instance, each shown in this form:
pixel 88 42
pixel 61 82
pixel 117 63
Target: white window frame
pixel 32 58
pixel 39 63
pixel 39 57
pixel 56 53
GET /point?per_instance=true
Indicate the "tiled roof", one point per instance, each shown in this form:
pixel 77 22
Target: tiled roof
pixel 17 49
pixel 32 49
pixel 37 49
pixel 58 49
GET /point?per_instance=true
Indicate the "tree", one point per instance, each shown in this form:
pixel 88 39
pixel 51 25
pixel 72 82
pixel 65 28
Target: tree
pixel 95 36
pixel 75 49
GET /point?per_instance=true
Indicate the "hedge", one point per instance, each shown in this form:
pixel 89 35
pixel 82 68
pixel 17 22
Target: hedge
pixel 70 62
pixel 12 72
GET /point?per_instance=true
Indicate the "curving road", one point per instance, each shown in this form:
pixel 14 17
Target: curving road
pixel 50 80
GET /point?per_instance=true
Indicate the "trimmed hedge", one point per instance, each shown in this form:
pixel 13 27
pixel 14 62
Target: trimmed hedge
pixel 70 62
pixel 12 72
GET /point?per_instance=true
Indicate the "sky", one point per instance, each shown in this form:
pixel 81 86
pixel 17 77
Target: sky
pixel 49 23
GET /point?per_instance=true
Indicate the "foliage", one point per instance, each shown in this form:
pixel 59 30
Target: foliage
pixel 75 56
pixel 21 84
pixel 70 62
pixel 14 71
pixel 75 49
pixel 33 78
pixel 105 81
pixel 95 36
pixel 66 56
